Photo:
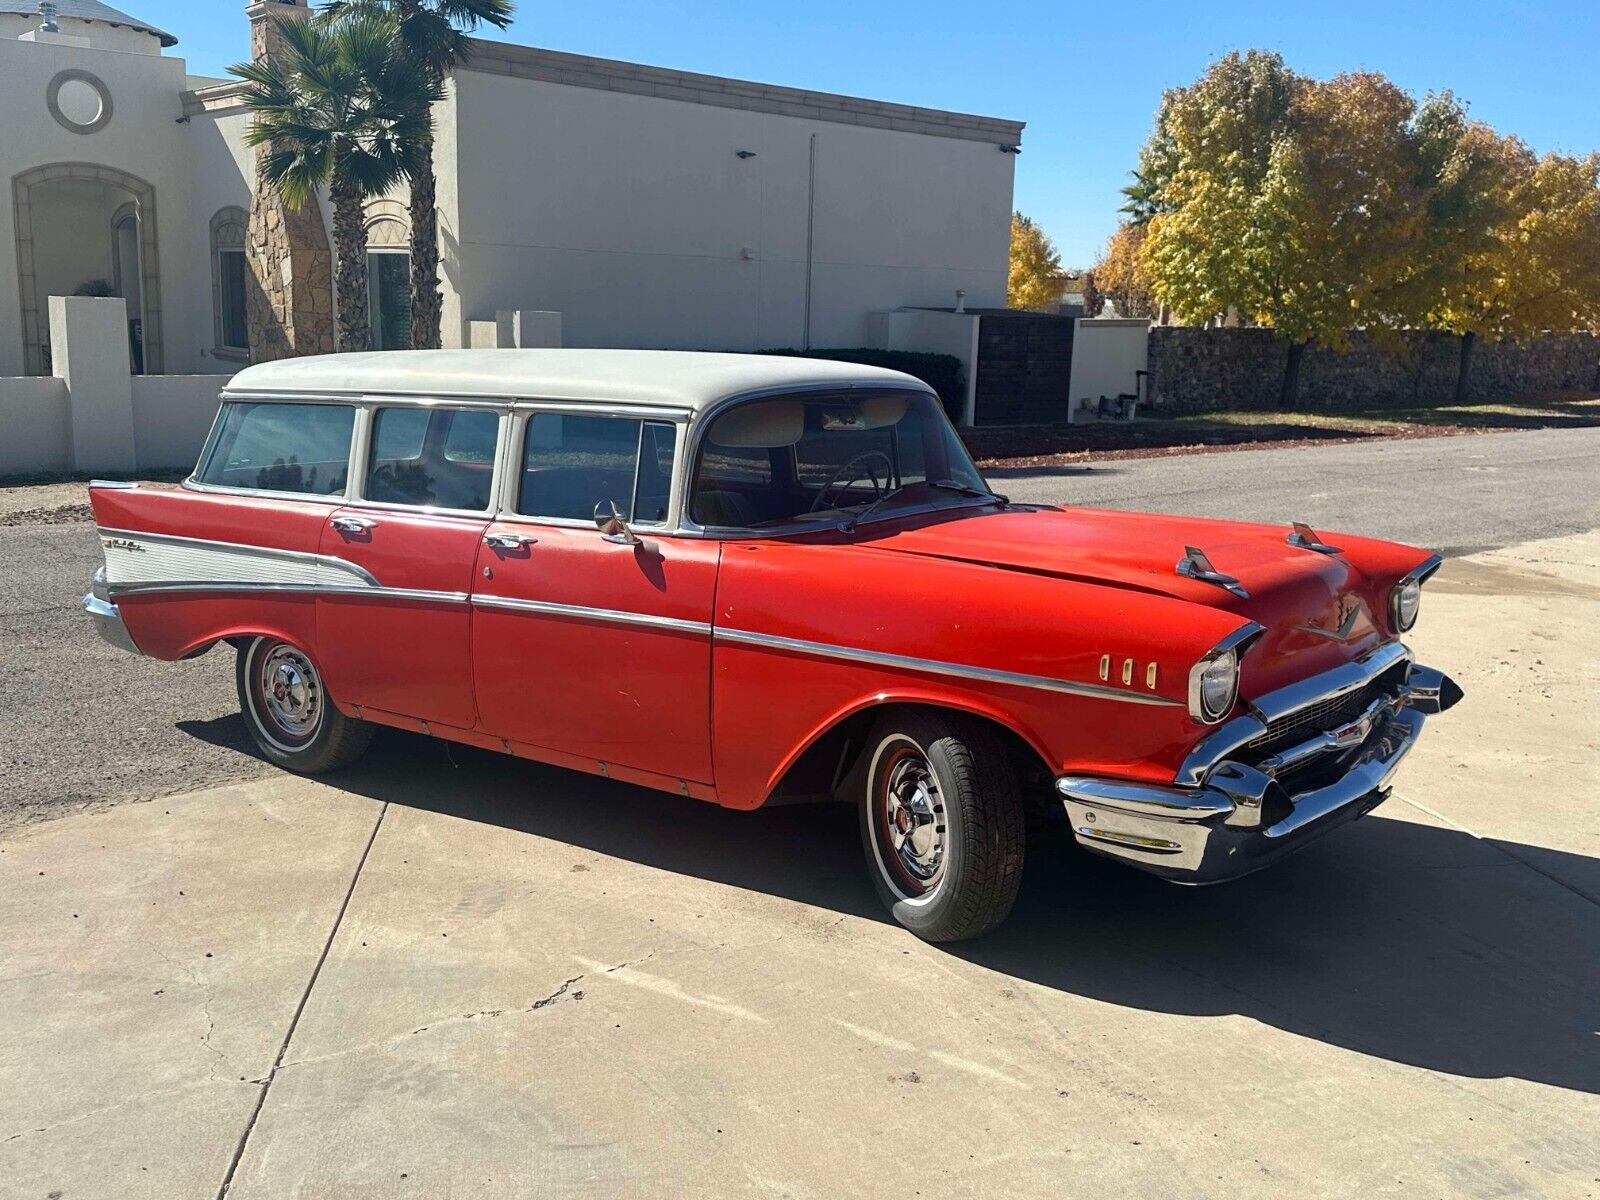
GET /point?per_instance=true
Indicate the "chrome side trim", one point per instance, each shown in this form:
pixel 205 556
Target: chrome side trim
pixel 934 667
pixel 113 484
pixel 224 587
pixel 584 613
pixel 192 484
pixel 178 559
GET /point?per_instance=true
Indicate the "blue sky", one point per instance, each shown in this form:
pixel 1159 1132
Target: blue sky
pixel 1085 78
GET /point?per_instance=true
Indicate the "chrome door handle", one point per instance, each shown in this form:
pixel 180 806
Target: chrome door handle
pixel 352 524
pixel 508 541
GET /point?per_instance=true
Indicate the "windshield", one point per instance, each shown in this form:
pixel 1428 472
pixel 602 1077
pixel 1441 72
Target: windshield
pixel 801 460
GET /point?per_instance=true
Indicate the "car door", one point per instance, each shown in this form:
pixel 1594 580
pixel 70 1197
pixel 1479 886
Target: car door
pixel 403 645
pixel 587 645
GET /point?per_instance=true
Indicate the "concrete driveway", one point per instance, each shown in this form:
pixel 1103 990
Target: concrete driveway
pixel 453 974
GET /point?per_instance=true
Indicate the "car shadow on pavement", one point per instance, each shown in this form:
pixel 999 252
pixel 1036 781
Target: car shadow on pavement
pixel 1412 943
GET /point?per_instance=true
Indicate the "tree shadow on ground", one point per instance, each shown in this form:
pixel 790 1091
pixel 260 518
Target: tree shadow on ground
pixel 1412 943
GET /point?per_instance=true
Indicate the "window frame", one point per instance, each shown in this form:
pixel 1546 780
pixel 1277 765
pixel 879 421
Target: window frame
pixel 374 316
pixel 688 467
pixel 514 416
pixel 332 499
pixel 361 456
pixel 223 218
pixel 522 417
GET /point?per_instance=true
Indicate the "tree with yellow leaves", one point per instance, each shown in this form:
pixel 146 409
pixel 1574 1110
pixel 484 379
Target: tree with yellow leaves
pixel 1037 279
pixel 1293 201
pixel 1121 275
pixel 1530 262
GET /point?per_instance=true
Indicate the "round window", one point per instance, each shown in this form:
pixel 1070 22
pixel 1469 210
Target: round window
pixel 79 101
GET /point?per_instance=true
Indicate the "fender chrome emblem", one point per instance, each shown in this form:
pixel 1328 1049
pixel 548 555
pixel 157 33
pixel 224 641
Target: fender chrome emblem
pixel 1349 614
pixel 122 544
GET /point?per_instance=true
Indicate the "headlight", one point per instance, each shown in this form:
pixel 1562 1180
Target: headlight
pixel 1404 602
pixel 1214 680
pixel 1214 686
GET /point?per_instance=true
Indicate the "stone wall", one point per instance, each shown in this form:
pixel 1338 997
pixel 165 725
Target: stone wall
pixel 1194 370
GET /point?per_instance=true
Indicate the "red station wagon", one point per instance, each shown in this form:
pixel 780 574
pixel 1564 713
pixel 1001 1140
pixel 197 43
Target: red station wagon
pixel 754 579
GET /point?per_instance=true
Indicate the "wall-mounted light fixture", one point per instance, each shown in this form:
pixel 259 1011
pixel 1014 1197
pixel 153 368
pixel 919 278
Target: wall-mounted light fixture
pixel 745 153
pixel 1004 149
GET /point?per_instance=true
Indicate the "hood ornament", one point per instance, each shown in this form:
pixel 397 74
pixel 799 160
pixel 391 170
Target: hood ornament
pixel 1307 538
pixel 1195 565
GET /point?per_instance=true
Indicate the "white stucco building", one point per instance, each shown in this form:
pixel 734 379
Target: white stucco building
pixel 648 207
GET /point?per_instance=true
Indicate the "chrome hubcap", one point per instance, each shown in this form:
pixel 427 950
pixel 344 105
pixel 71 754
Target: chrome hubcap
pixel 914 817
pixel 290 692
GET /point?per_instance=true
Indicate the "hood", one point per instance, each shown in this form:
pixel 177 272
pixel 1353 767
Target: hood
pixel 1318 609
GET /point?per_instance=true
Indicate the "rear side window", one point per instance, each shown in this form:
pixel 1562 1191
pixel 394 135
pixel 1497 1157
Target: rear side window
pixel 570 463
pixel 301 448
pixel 433 457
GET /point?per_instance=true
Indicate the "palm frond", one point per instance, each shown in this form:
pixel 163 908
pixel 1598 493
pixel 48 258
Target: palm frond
pixel 470 14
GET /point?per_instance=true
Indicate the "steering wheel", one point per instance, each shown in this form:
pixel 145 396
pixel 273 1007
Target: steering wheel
pixel 858 469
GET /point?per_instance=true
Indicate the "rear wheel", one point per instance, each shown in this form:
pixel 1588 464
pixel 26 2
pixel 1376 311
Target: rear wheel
pixel 942 823
pixel 290 715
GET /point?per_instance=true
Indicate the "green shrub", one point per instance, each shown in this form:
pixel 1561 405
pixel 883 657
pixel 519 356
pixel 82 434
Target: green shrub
pixel 941 372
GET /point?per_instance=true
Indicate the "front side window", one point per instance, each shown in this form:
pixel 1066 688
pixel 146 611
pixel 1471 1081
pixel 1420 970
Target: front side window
pixel 572 462
pixel 418 457
pixel 797 459
pixel 301 448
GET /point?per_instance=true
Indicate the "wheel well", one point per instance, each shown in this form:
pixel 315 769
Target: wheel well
pixel 824 767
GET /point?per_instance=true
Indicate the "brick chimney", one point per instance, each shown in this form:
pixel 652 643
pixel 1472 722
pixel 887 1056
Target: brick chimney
pixel 290 302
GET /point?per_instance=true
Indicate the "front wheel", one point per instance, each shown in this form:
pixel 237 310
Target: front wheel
pixel 942 823
pixel 290 715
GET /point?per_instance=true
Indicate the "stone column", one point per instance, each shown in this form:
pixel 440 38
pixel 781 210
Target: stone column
pixel 290 301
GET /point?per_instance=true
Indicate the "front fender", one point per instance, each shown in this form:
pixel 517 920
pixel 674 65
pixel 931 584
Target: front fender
pixel 1094 678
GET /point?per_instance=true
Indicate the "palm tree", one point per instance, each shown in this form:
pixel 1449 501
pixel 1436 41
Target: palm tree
pixel 344 109
pixel 433 33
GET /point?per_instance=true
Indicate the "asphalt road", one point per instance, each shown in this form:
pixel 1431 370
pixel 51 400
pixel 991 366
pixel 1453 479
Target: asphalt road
pixel 83 725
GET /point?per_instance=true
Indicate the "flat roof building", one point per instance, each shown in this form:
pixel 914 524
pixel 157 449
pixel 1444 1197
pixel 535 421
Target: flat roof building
pixel 648 207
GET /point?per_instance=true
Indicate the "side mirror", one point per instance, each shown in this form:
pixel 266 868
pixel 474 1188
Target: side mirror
pixel 608 520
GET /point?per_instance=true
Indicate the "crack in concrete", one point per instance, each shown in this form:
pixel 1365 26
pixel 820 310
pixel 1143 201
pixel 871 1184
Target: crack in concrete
pixel 545 1002
pixel 563 992
pixel 140 1098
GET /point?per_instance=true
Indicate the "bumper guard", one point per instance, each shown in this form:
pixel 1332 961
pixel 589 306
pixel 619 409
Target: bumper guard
pixel 106 616
pixel 1236 818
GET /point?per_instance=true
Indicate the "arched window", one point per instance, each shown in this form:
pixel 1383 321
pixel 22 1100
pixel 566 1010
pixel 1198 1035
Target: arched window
pixel 229 275
pixel 388 227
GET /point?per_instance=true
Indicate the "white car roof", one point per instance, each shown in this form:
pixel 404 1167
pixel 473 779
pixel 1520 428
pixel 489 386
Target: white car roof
pixel 667 378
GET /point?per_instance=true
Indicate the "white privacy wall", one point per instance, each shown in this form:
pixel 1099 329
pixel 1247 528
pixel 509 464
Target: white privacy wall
pixel 1107 355
pixel 172 414
pixel 633 216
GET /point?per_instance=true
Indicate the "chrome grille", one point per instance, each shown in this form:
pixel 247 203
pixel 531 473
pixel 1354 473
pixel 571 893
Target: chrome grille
pixel 1321 716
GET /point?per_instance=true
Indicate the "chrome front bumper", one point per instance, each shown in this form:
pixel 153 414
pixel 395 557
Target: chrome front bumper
pixel 1223 818
pixel 106 616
